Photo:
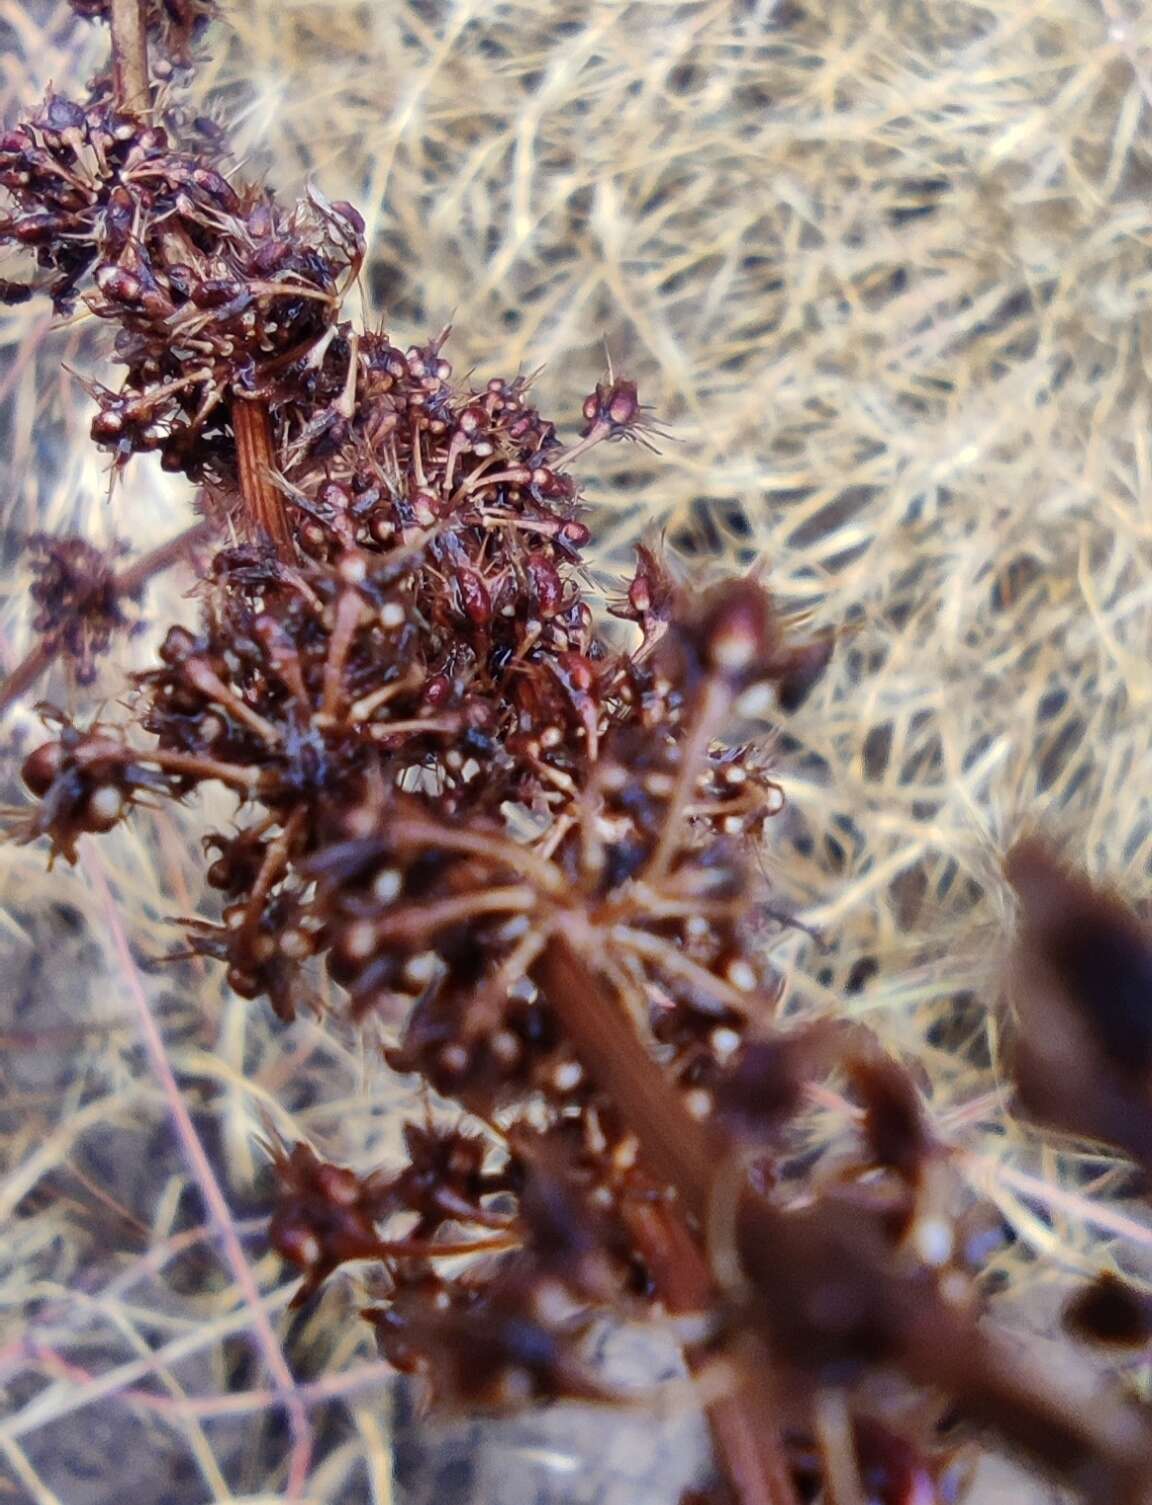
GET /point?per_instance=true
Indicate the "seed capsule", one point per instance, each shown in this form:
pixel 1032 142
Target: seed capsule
pixel 41 767
pixel 737 631
pixel 474 597
pixel 119 285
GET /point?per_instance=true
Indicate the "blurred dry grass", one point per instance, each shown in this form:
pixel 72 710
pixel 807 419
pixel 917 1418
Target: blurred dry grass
pixel 886 270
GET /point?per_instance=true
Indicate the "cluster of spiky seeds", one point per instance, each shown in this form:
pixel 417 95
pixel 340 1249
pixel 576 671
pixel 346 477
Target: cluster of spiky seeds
pixel 527 850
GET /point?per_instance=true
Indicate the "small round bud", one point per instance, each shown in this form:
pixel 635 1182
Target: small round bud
pixel 353 569
pixel 387 885
pixel 118 284
pixel 335 497
pixel 474 597
pixel 578 671
pixel 217 187
pixel 178 645
pixel 41 767
pixel 425 509
pixel 338 1184
pixel 472 420
pixel 438 690
pixel 295 944
pixel 296 1243
pixel 107 426
pixel 243 983
pixel 614 406
pixel 358 941
pixel 623 407
pixel 546 584
pixel 737 631
pixel 37 228
pixel 312 538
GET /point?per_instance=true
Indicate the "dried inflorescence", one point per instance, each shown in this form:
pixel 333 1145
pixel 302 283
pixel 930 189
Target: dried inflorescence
pixel 86 779
pixel 1079 979
pixel 528 849
pixel 80 599
pixel 215 291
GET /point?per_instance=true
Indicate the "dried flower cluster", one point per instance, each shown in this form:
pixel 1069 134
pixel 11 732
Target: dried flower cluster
pixel 1081 975
pixel 527 850
pixel 215 293
pixel 80 600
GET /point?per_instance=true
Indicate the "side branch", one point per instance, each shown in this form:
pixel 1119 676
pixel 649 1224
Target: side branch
pixel 748 1445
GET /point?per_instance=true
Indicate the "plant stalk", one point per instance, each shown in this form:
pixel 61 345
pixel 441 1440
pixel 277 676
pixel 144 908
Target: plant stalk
pixel 748 1445
pixel 255 461
pixel 250 419
pixel 678 1149
pixel 130 56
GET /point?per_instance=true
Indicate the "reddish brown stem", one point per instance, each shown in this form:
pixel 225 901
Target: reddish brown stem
pixel 680 1150
pixel 132 579
pixel 130 56
pixel 129 582
pixel 256 460
pixel 748 1445
pixel 34 663
pixel 197 767
pixel 676 1147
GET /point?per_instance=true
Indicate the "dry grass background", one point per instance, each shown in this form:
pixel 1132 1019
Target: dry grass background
pixel 886 269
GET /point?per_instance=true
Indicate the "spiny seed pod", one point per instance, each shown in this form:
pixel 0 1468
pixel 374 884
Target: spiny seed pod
pixel 86 781
pixel 41 767
pixel 614 405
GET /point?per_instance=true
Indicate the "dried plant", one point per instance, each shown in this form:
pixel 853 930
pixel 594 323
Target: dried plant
pixel 523 846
